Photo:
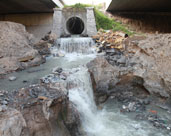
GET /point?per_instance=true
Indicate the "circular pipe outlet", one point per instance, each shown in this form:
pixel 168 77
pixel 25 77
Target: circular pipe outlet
pixel 75 25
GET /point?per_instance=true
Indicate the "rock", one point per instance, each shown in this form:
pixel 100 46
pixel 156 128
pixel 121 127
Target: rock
pixel 42 98
pixel 3 108
pixel 12 78
pixel 43 47
pixel 102 74
pixel 57 70
pixel 16 46
pixel 60 54
pixel 4 102
pixel 25 59
pixel 102 99
pixel 35 62
pixel 122 60
pixel 50 38
pixel 152 58
pixel 25 81
pixel 9 64
pixel 131 106
pixel 40 110
pixel 12 123
pixel 72 121
pixel 110 39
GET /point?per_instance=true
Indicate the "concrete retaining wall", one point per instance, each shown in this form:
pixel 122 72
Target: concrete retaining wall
pixel 37 24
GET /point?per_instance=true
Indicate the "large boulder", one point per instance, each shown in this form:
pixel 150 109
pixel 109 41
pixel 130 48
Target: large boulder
pixel 153 55
pixel 12 122
pixel 146 61
pixel 39 110
pixel 16 45
pixel 103 75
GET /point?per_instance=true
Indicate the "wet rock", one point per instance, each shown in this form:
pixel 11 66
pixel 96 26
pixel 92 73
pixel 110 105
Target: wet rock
pixel 155 120
pixel 65 35
pixel 34 71
pixel 134 106
pixel 102 99
pixel 60 54
pixel 101 74
pixel 57 70
pixel 51 78
pixel 12 78
pixel 72 120
pixel 43 47
pixel 39 110
pixel 84 35
pixel 25 81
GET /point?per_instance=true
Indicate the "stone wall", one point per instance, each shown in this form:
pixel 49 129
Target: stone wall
pixel 37 24
pixel 146 22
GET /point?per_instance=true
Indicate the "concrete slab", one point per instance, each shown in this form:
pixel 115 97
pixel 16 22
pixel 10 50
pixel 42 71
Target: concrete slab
pixel 28 6
pixel 140 6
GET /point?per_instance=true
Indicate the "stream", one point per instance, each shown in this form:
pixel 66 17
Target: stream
pixel 105 121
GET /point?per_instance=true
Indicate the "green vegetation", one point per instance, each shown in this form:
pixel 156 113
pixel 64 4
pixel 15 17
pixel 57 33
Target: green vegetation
pixel 78 6
pixel 102 21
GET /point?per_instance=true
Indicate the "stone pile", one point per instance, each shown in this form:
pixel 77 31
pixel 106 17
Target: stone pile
pixel 44 45
pixel 107 40
pixel 155 120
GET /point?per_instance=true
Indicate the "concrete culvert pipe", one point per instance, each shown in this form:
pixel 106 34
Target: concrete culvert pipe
pixel 75 25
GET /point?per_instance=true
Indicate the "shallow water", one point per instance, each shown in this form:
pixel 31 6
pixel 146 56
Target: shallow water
pixel 32 75
pixel 107 121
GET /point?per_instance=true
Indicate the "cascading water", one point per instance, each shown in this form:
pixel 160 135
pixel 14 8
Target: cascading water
pixel 75 44
pixel 107 121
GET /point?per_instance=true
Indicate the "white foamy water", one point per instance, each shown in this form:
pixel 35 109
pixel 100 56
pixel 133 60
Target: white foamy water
pixel 105 122
pixel 75 44
pixel 108 121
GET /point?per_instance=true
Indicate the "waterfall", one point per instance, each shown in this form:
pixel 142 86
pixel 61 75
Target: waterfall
pixel 105 122
pixel 97 122
pixel 82 97
pixel 75 44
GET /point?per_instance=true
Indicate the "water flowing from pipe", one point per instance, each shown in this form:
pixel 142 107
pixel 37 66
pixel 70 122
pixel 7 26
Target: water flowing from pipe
pixel 75 44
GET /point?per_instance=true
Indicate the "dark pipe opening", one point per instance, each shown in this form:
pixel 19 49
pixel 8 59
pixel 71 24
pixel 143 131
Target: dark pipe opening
pixel 75 25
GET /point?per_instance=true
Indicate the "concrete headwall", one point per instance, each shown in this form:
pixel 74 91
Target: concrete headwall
pixel 69 13
pixel 61 16
pixel 38 24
